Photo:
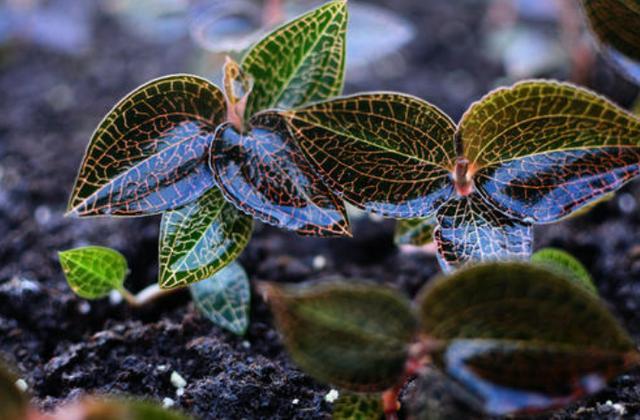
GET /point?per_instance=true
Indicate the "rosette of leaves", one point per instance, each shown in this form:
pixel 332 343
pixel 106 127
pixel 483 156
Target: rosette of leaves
pixel 181 146
pixel 513 338
pixel 615 24
pixel 528 154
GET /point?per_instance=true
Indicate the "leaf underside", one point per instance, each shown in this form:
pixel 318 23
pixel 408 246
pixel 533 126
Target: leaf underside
pixel 523 338
pixel 93 271
pixel 615 22
pixel 264 174
pixel 541 149
pixel 352 406
pixel 353 335
pixel 200 238
pixel 416 232
pixel 300 62
pixel 386 153
pixel 150 152
pixel 469 230
pixel 224 298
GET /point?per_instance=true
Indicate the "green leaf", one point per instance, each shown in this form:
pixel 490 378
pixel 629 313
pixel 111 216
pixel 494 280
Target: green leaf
pixel 117 409
pixel 265 175
pixel 565 264
pixel 615 22
pixel 13 403
pixel 200 238
pixel 469 231
pixel 354 335
pixel 383 152
pixel 352 406
pixel 93 271
pixel 150 152
pixel 224 298
pixel 417 232
pixel 523 338
pixel 540 150
pixel 300 62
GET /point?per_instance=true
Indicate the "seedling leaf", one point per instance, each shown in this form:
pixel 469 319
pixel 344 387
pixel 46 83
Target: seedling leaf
pixel 470 230
pixel 200 238
pixel 149 154
pixel 354 335
pixel 540 150
pixel 523 338
pixel 93 271
pixel 415 232
pixel 13 403
pixel 264 174
pixel 565 264
pixel 224 298
pixel 352 406
pixel 383 152
pixel 300 62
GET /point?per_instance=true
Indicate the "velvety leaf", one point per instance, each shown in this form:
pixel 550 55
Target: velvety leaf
pixel 352 406
pixel 523 338
pixel 469 230
pixel 13 403
pixel 415 232
pixel 264 174
pixel 527 377
pixel 300 62
pixel 565 264
pixel 93 271
pixel 383 152
pixel 615 22
pixel 200 238
pixel 149 154
pixel 350 334
pixel 224 298
pixel 540 150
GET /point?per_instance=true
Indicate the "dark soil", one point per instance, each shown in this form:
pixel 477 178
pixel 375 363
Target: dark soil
pixel 64 346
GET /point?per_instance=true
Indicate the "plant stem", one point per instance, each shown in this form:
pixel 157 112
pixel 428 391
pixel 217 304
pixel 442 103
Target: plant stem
pixel 145 296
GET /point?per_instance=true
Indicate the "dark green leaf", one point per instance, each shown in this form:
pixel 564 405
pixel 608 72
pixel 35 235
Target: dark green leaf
pixel 149 154
pixel 352 406
pixel 354 335
pixel 565 264
pixel 224 298
pixel 469 230
pixel 540 150
pixel 200 238
pixel 523 338
pixel 616 23
pixel 13 403
pixel 300 62
pixel 387 153
pixel 415 232
pixel 93 271
pixel 264 174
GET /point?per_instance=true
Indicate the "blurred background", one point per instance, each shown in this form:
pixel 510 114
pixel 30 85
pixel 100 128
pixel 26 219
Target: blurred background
pixel 65 63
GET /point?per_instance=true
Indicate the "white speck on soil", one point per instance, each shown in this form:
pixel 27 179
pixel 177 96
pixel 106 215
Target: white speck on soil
pixel 177 380
pixel 179 392
pixel 42 215
pixel 22 385
pixel 295 401
pixel 168 402
pixel 115 297
pixel 84 307
pixel 620 409
pixel 331 396
pixel 246 344
pixel 319 262
pixel 162 368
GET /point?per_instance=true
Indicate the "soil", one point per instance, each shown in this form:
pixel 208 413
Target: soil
pixel 64 346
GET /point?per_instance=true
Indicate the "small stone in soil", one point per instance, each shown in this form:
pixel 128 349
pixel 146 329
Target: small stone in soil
pixel 22 385
pixel 331 396
pixel 168 402
pixel 177 380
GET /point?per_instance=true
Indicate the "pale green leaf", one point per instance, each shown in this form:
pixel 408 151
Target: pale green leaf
pixel 93 271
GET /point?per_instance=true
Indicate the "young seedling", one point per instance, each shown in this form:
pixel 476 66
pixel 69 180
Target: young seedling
pixel 180 146
pixel 513 338
pixel 532 153
pixel 15 406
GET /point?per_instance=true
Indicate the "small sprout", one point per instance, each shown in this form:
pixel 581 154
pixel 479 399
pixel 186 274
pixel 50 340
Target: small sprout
pixel 352 406
pixel 177 380
pixel 539 358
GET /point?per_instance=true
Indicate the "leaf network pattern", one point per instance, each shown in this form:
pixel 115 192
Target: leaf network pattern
pixel 532 153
